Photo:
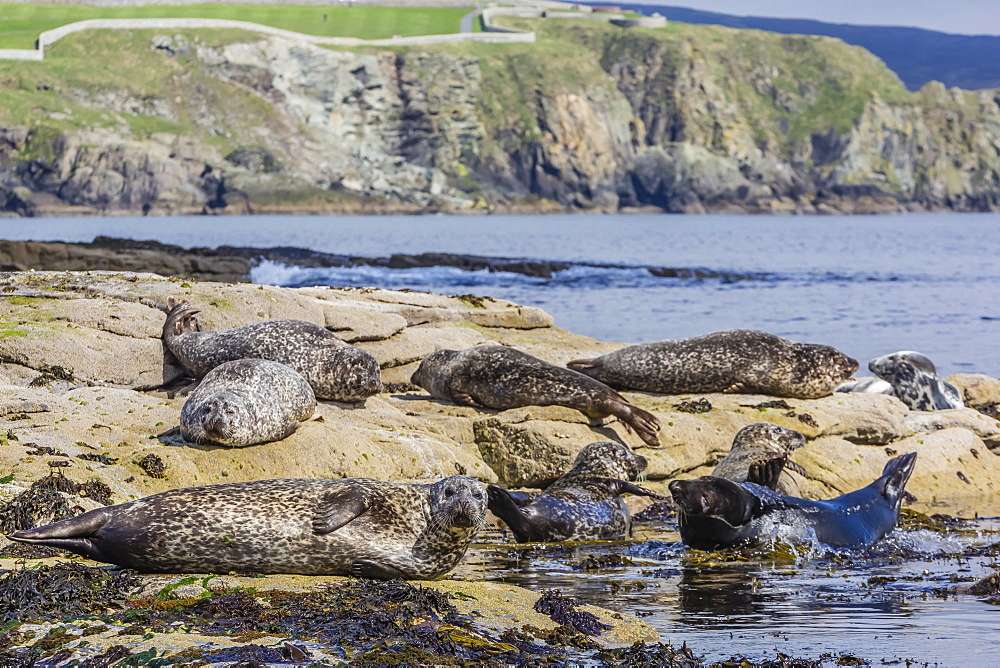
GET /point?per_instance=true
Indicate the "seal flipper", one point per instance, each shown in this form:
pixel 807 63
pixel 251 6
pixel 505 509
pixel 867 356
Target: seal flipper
pixel 895 476
pixel 588 367
pixel 643 422
pixel 766 474
pixel 503 506
pixel 339 508
pixel 366 568
pixel 625 487
pixel 74 534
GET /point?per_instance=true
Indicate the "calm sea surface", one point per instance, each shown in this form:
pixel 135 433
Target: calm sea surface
pixel 868 285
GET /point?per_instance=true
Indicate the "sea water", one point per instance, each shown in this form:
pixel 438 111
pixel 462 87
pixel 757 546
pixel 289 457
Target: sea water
pixel 868 285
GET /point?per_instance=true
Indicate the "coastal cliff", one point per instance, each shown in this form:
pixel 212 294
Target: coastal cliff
pixel 590 117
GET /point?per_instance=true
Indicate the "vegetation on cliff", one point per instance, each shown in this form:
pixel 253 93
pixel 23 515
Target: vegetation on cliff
pixel 591 116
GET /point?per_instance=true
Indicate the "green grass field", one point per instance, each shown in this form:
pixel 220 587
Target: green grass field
pixel 20 23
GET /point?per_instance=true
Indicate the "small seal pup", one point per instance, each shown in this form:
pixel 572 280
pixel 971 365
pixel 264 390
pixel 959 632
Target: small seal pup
pixel 501 377
pixel 915 381
pixel 714 512
pixel 245 402
pixel 743 361
pixel 758 444
pixel 865 385
pixel 352 526
pixel 334 369
pixel 584 504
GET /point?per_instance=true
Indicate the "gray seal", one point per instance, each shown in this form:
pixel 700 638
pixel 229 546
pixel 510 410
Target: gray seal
pixel 584 504
pixel 915 381
pixel 714 513
pixel 351 526
pixel 735 360
pixel 245 402
pixel 501 377
pixel 334 369
pixel 754 446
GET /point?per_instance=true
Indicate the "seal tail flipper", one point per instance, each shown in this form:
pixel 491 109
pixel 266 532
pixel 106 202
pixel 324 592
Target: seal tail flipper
pixel 588 367
pixel 766 474
pixel 626 487
pixel 895 476
pixel 74 534
pixel 180 317
pixel 503 506
pixel 643 422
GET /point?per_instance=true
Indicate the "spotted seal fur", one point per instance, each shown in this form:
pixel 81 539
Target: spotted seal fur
pixel 915 381
pixel 351 526
pixel 714 513
pixel 245 402
pixel 501 377
pixel 756 445
pixel 584 504
pixel 334 369
pixel 736 360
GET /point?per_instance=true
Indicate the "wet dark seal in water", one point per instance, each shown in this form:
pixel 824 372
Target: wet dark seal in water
pixel 584 504
pixel 246 402
pixel 334 369
pixel 502 378
pixel 915 381
pixel 754 446
pixel 735 360
pixel 714 512
pixel 352 526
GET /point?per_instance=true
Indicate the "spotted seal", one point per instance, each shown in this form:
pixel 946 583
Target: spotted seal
pixel 334 369
pixel 714 512
pixel 735 360
pixel 352 526
pixel 865 385
pixel 915 381
pixel 245 402
pixel 757 444
pixel 501 377
pixel 584 504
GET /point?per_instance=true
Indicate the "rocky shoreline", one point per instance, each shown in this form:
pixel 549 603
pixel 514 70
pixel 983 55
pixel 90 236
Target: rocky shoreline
pixel 87 390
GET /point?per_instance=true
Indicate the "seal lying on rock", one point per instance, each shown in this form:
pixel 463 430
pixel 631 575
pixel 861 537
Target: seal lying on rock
pixel 584 504
pixel 502 378
pixel 245 402
pixel 351 526
pixel 334 369
pixel 915 381
pixel 758 444
pixel 865 385
pixel 735 360
pixel 714 512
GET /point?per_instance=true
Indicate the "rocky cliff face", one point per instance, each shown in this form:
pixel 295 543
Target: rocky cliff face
pixel 690 119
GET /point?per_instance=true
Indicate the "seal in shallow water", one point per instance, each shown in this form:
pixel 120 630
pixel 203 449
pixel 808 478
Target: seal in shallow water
pixel 334 369
pixel 245 402
pixel 502 378
pixel 714 512
pixel 358 526
pixel 584 504
pixel 735 360
pixel 915 381
pixel 757 444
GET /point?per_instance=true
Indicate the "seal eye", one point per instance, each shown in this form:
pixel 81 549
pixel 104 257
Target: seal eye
pixel 448 492
pixel 477 494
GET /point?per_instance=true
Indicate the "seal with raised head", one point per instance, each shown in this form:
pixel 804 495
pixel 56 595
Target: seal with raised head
pixel 746 361
pixel 352 526
pixel 246 402
pixel 501 377
pixel 714 513
pixel 758 444
pixel 915 381
pixel 334 369
pixel 584 504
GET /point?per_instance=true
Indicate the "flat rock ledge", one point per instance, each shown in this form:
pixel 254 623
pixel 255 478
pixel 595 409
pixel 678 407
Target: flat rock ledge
pixel 87 387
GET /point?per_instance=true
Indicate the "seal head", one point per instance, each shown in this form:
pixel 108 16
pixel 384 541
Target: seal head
pixel 915 381
pixel 757 444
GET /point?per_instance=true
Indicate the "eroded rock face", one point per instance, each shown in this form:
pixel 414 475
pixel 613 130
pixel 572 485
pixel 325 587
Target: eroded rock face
pixel 87 381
